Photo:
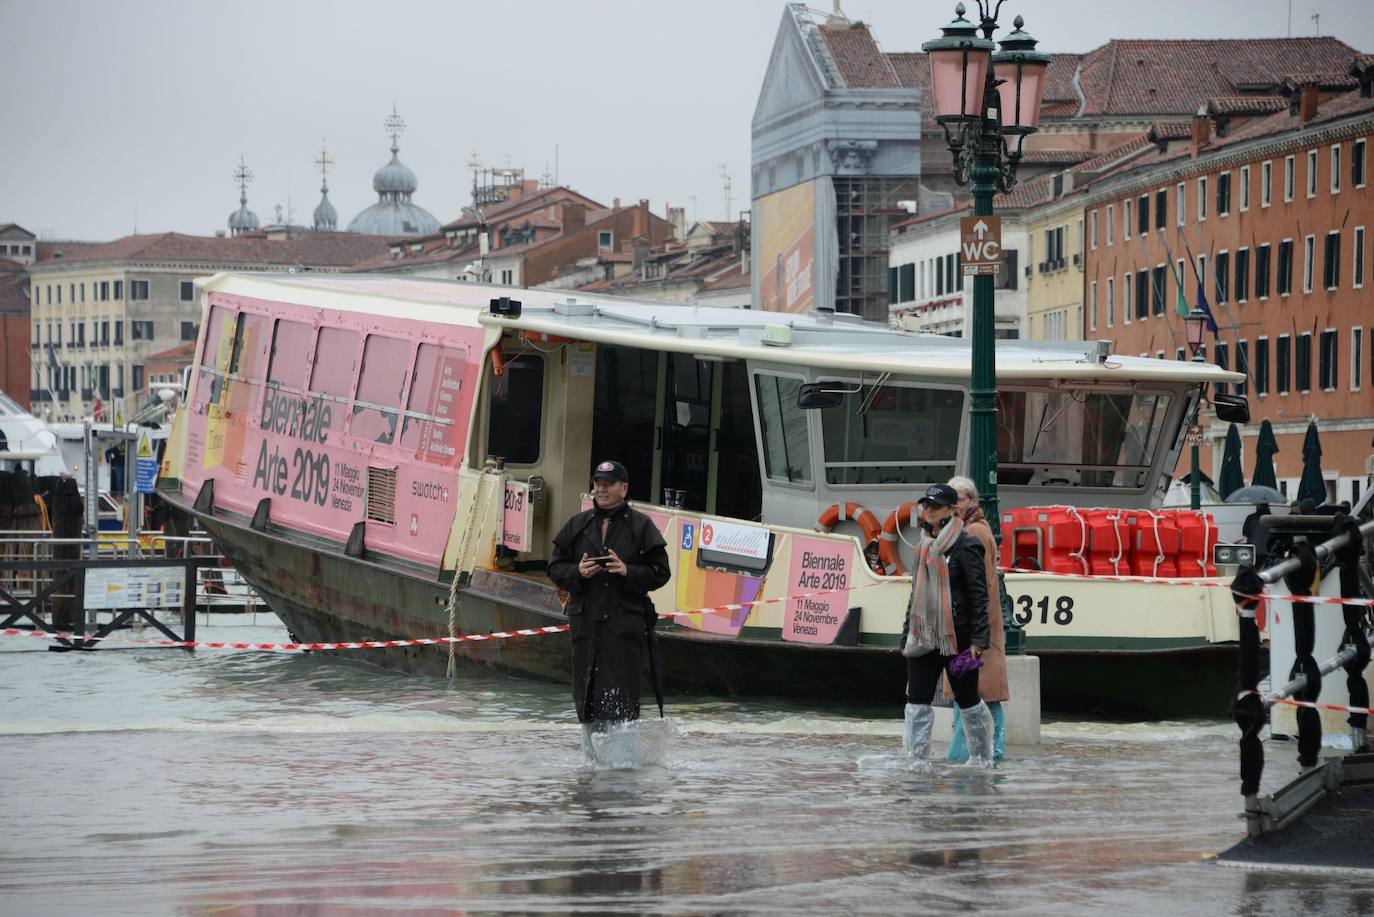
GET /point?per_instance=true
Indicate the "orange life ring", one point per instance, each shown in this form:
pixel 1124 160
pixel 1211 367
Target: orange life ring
pixel 887 541
pixel 836 513
pixel 498 361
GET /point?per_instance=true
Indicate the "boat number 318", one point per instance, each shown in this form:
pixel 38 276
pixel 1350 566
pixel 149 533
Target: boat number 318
pixel 1027 605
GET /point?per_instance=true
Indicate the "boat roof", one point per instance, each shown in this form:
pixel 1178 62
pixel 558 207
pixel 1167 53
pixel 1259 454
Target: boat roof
pixel 830 342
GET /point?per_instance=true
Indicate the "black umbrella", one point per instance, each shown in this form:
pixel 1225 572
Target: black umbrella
pixel 1266 447
pixel 1312 486
pixel 1232 477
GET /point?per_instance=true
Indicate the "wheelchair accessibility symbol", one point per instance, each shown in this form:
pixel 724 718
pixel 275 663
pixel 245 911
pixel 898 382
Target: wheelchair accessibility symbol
pixel 687 532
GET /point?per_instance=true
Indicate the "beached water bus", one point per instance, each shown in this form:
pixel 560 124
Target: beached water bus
pixel 355 443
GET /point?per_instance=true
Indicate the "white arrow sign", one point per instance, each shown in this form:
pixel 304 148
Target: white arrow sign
pixel 980 229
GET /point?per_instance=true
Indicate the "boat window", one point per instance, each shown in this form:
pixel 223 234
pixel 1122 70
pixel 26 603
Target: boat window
pixel 332 374
pixel 290 344
pixel 786 452
pixel 892 434
pixel 1078 438
pixel 214 357
pixel 624 414
pixel 515 410
pixel 432 414
pixel 739 492
pixel 381 379
pixel 247 362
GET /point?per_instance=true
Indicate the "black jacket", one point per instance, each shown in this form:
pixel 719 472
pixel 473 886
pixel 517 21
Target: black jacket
pixel 607 612
pixel 968 590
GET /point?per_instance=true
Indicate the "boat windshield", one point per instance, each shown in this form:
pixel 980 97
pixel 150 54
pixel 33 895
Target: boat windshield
pixel 892 434
pixel 1078 438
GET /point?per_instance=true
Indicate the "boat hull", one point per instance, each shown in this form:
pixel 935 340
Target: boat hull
pixel 323 595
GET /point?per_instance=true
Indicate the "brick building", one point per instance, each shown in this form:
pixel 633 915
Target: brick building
pixel 1271 211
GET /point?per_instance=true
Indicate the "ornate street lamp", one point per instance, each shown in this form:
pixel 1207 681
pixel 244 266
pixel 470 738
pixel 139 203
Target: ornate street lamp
pixel 1195 326
pixel 982 99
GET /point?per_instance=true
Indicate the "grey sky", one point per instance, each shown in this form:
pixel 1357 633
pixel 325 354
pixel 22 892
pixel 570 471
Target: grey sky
pixel 140 105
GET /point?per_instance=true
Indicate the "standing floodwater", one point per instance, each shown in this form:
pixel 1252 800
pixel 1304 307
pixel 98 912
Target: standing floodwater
pixel 157 782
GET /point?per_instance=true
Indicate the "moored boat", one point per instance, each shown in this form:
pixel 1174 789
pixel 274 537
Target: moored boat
pixel 353 444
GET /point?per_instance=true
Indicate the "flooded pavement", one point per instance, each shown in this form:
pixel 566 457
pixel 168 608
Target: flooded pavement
pixel 158 782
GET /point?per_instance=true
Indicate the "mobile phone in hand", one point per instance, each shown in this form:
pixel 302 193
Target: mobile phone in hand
pixel 603 560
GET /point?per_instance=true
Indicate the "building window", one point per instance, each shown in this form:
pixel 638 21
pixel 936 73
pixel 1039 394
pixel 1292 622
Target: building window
pixel 118 289
pixel 1181 203
pixel 1202 198
pixel 1289 177
pixel 1262 271
pixel 1143 216
pixel 1126 299
pixel 1302 363
pixel 1111 223
pixel 1111 300
pixel 1281 364
pixel 1157 290
pixel 105 333
pixel 1223 194
pixel 1242 288
pixel 1243 366
pixel 1311 173
pixel 1266 183
pixel 1326 361
pixel 188 291
pixel 1357 163
pixel 1221 356
pixel 1356 355
pixel 1244 188
pixel 137 377
pixel 1261 366
pixel 1092 306
pixel 1202 275
pixel 1331 261
pixel 1285 267
pixel 1357 277
pixel 1161 208
pixel 119 332
pixel 506 277
pixel 1335 168
pixel 1142 294
pixel 1092 229
pixel 1125 219
pixel 604 239
pixel 140 331
pixel 1309 254
pixel 1222 269
pixel 188 331
pixel 906 282
pixel 138 290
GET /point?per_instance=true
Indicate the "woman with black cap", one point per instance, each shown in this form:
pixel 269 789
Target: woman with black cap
pixel 946 627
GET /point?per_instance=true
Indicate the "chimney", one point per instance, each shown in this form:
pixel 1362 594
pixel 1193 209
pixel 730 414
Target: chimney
pixel 615 203
pixel 641 251
pixel 1307 104
pixel 574 217
pixel 1202 131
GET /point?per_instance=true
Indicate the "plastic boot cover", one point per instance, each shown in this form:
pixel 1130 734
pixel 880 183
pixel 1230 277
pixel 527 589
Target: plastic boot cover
pixel 916 725
pixel 978 727
pixel 611 743
pixel 1359 740
pixel 958 747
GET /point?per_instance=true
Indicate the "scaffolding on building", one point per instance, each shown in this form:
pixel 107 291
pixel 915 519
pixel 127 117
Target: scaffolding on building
pixel 866 207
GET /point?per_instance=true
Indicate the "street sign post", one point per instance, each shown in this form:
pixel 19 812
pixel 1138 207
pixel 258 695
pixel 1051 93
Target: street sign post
pixel 146 472
pixel 980 245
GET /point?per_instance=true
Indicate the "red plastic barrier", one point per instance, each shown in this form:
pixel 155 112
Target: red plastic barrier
pixel 1023 540
pixel 1197 536
pixel 1066 539
pixel 1110 535
pixel 1155 548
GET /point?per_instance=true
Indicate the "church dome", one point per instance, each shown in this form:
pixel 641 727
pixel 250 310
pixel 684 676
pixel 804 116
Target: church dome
pixel 394 218
pixel 242 220
pixel 395 177
pixel 325 216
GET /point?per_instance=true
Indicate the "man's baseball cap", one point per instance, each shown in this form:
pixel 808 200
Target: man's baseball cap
pixel 610 471
pixel 940 495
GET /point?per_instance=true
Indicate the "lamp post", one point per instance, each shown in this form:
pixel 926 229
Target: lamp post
pixel 1195 325
pixel 983 99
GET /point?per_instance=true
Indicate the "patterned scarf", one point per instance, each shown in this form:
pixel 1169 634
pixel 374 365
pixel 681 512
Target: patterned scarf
pixel 931 613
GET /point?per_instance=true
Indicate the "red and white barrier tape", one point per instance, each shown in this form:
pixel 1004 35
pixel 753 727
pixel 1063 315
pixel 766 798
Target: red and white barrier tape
pixel 418 641
pixel 1180 581
pixel 1339 708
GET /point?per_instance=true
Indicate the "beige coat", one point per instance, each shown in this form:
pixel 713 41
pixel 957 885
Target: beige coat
pixel 992 677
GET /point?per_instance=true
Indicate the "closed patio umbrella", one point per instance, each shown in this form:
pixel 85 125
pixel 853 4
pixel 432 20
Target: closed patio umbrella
pixel 1232 477
pixel 1312 486
pixel 1266 447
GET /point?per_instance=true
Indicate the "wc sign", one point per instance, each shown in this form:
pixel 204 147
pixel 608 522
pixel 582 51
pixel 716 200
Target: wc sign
pixel 980 245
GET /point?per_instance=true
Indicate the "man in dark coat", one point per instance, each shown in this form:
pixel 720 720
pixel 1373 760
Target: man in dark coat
pixel 608 559
pixel 947 627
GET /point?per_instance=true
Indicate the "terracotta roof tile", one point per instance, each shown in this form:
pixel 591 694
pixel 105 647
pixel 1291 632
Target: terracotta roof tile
pixel 12 298
pixel 857 58
pixel 1246 105
pixel 312 249
pixel 1056 157
pixel 1327 80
